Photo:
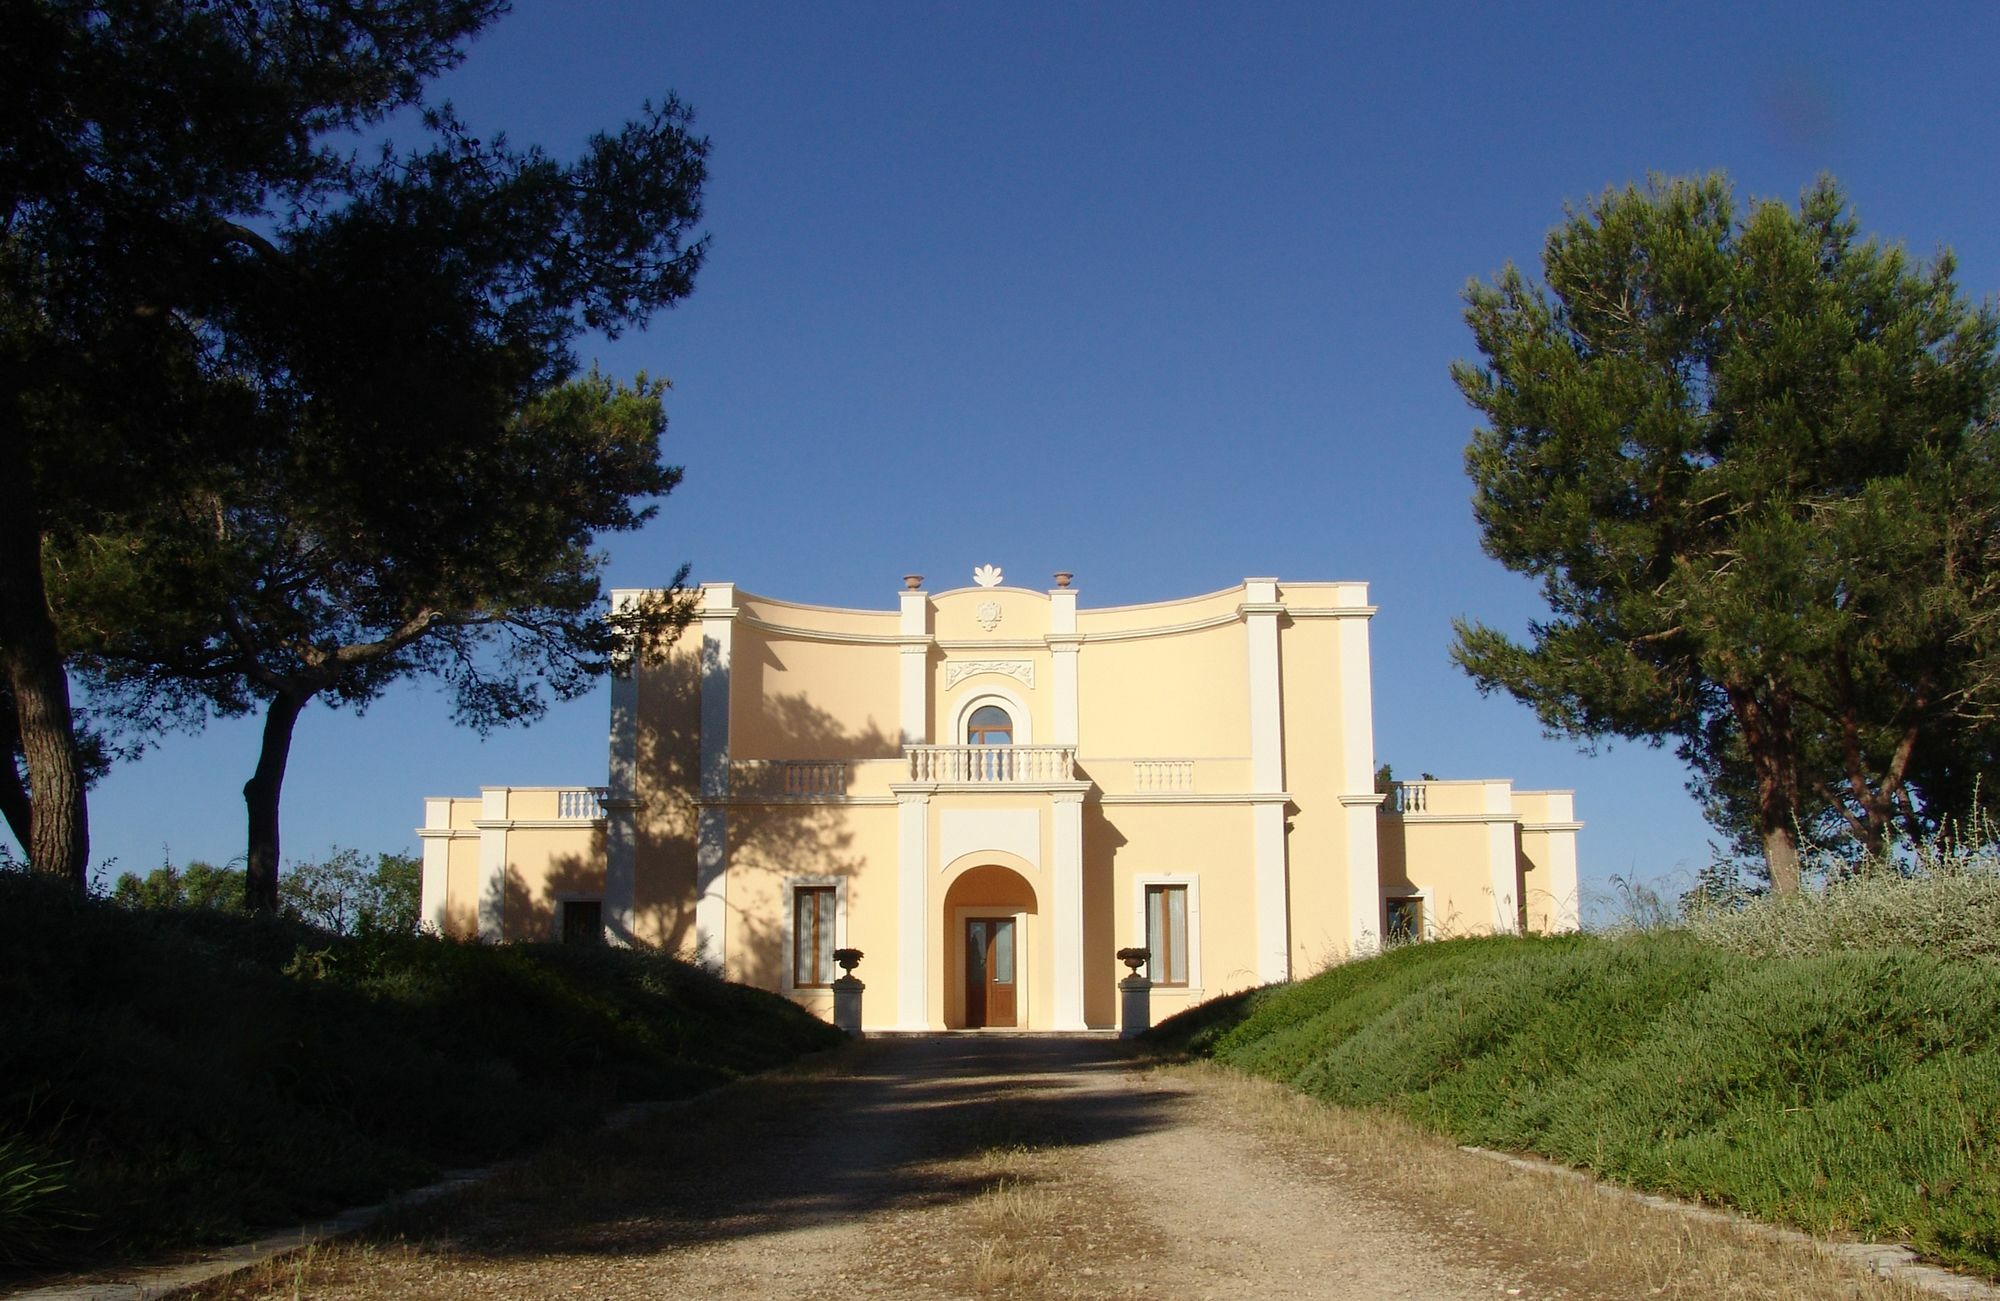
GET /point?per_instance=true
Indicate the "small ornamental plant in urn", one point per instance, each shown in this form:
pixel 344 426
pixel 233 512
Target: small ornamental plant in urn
pixel 1134 958
pixel 848 959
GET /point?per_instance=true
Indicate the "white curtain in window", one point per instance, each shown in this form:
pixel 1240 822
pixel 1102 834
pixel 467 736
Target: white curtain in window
pixel 812 937
pixel 1166 934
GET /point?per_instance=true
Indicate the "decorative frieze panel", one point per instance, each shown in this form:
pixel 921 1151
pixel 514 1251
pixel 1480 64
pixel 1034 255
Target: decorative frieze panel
pixel 1022 671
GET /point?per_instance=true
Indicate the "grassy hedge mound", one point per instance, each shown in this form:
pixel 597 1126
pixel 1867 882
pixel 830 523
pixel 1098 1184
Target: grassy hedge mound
pixel 1846 1091
pixel 170 1077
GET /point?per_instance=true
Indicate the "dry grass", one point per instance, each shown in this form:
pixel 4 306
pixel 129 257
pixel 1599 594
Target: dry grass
pixel 1577 1234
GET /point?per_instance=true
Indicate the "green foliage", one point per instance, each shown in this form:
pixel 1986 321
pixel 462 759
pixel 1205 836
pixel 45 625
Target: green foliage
pixel 205 1072
pixel 31 1190
pixel 291 421
pixel 1945 904
pixel 1841 1091
pixel 198 885
pixel 1752 463
pixel 343 894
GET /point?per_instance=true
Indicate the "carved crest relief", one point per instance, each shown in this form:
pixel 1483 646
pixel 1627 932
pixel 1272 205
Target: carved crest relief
pixel 988 615
pixel 1022 671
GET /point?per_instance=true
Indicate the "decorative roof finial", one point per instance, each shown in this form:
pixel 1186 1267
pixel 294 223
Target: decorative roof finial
pixel 913 581
pixel 1062 577
pixel 987 575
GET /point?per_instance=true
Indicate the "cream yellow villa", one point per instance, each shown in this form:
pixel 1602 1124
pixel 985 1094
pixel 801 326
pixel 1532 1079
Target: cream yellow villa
pixel 991 790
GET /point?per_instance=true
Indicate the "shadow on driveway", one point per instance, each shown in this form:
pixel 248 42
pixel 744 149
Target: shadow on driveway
pixel 869 1131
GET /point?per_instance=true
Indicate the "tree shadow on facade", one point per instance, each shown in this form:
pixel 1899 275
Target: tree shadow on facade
pixel 536 916
pixel 1102 842
pixel 797 833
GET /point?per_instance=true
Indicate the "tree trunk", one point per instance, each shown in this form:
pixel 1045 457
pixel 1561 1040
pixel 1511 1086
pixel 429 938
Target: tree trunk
pixel 58 841
pixel 1774 763
pixel 260 796
pixel 1781 858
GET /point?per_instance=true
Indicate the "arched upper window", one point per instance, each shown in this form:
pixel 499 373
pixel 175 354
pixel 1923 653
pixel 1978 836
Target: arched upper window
pixel 989 725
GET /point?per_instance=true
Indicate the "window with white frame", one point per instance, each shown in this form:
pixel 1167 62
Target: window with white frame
pixel 989 725
pixel 814 925
pixel 1405 917
pixel 1167 934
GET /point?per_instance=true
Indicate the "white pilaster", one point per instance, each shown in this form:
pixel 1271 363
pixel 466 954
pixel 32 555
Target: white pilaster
pixel 1260 610
pixel 434 907
pixel 711 907
pixel 1063 646
pixel 1501 831
pixel 912 933
pixel 914 629
pixel 1066 909
pixel 621 808
pixel 492 863
pixel 1274 936
pixel 1565 908
pixel 1359 800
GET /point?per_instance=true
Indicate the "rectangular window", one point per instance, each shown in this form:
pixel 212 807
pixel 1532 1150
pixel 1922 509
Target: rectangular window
pixel 812 936
pixel 582 921
pixel 1167 934
pixel 1406 921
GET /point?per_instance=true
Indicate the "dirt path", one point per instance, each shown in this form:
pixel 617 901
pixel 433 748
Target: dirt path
pixel 990 1166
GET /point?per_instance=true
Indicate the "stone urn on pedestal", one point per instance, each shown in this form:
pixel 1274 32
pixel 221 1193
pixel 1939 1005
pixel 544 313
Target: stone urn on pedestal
pixel 1135 994
pixel 847 992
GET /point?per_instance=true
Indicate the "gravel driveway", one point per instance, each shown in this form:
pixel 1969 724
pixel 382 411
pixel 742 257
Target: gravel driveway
pixel 988 1165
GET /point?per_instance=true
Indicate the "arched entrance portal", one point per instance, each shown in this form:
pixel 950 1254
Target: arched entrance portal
pixel 989 947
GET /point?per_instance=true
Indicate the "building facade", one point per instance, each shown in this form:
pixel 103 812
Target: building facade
pixel 991 790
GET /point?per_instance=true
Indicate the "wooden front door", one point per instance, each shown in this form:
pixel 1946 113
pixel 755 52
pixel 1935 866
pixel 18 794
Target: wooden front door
pixel 989 971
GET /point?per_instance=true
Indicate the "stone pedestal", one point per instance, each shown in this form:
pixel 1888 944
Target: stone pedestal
pixel 1135 1006
pixel 847 1004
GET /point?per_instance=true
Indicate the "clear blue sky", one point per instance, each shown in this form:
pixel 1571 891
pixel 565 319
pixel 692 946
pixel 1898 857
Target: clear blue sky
pixel 1163 294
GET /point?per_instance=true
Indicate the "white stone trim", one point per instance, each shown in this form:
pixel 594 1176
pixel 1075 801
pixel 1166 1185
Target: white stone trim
pixel 1272 907
pixel 1064 645
pixel 1501 848
pixel 1364 876
pixel 787 981
pixel 492 899
pixel 620 831
pixel 913 630
pixel 711 887
pixel 1196 797
pixel 711 860
pixel 1065 909
pixel 913 883
pixel 994 693
pixel 1016 831
pixel 1192 881
pixel 717 643
pixel 433 908
pixel 957 671
pixel 1360 801
pixel 1266 702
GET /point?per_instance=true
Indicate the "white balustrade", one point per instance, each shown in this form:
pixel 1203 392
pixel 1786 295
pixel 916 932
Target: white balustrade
pixel 585 804
pixel 1163 774
pixel 805 779
pixel 992 764
pixel 1405 797
pixel 813 777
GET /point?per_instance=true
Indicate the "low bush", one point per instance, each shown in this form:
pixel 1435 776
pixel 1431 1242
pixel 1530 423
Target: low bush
pixel 202 1072
pixel 1949 907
